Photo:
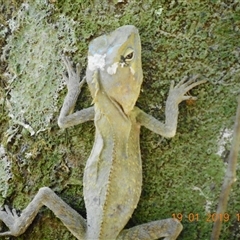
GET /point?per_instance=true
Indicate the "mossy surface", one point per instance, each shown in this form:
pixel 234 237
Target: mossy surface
pixel 181 175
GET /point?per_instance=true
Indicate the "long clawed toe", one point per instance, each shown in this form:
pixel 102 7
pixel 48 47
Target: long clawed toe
pixel 182 81
pixel 194 84
pixel 191 80
pixel 188 83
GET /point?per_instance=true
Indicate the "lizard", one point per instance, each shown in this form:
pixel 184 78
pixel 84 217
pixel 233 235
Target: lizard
pixel 112 179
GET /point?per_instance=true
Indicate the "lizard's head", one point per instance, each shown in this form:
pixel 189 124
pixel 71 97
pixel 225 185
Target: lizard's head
pixel 115 61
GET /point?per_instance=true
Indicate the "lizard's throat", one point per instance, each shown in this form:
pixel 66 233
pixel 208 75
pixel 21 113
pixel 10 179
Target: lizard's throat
pixel 119 106
pixel 110 107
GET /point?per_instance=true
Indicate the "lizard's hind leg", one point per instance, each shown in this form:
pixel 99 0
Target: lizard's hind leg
pixel 169 228
pixel 45 196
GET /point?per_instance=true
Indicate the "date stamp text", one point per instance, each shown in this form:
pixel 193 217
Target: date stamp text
pixel 210 217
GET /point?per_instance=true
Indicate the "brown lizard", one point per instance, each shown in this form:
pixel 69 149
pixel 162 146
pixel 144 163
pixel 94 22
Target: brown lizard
pixel 113 173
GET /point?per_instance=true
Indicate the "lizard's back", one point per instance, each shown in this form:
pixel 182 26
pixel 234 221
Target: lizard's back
pixel 112 178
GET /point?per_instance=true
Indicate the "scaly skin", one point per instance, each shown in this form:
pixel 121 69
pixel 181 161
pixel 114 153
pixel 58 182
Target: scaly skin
pixel 113 172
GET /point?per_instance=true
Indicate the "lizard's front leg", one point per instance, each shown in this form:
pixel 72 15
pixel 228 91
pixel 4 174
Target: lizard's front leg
pixel 176 96
pixel 45 196
pixel 169 228
pixel 74 85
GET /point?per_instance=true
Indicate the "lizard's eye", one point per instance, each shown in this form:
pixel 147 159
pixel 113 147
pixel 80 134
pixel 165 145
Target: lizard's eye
pixel 128 56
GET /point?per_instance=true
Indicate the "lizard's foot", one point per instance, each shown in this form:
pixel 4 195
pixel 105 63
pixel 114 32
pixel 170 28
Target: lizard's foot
pixel 11 219
pixel 169 228
pixel 177 93
pixel 72 78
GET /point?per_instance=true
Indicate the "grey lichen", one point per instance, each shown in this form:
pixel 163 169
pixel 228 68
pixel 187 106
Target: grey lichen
pixel 34 51
pixel 5 172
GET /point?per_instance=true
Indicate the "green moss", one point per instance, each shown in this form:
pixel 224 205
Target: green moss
pixel 181 175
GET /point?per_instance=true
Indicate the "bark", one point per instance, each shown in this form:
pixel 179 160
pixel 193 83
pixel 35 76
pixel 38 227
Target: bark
pixel 229 179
